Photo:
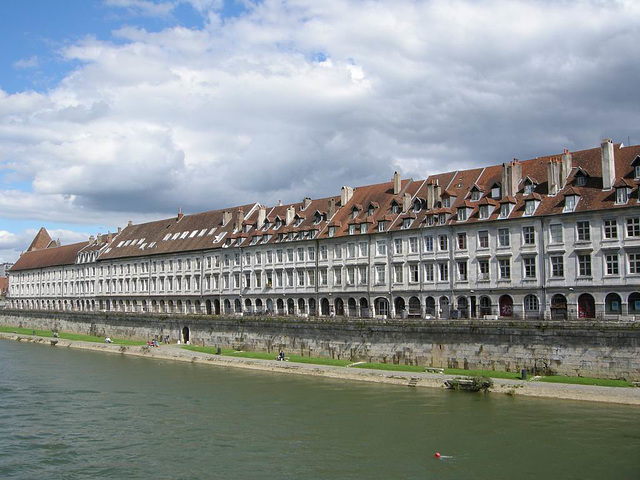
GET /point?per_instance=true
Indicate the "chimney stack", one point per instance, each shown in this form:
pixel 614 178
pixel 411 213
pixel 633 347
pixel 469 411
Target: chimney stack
pixel 99 238
pixel 291 211
pixel 239 220
pixel 91 239
pixel 554 181
pixel 345 195
pixel 406 203
pixel 119 230
pixel 262 216
pixel 129 223
pixel 226 217
pixel 608 165
pixel 306 202
pixel 397 183
pixel 511 176
pixel 180 214
pixel 331 208
pixel 567 165
pixel 279 203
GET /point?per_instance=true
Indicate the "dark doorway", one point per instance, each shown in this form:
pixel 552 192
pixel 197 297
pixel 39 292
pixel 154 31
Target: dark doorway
pixel 185 335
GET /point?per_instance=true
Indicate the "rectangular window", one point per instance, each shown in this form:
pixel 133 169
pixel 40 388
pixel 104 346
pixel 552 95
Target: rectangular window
pixel 351 276
pixel 633 227
pixel 584 265
pixel 462 214
pixel 247 280
pixel 323 277
pixel 414 273
pixel 557 267
pixel 337 251
pixel 529 235
pixel 397 273
pixel 462 271
pixel 364 249
pixel 301 278
pixel 505 268
pixel 529 267
pixel 380 274
pixel 362 275
pixel 634 263
pixel 279 256
pixel 444 272
pixel 483 270
pixel 428 273
pixel 269 256
pixel 611 261
pixel 397 246
pixel 462 241
pixel 483 239
pixel 555 232
pixel 413 245
pixel 444 243
pixel 258 279
pixel 236 280
pixel 610 229
pixel 337 276
pixel 584 231
pixel 351 250
pixel 503 237
pixel 428 244
pixel 289 278
pixel 622 195
pixel 289 254
pixel 381 247
pixel 301 254
pixel 323 252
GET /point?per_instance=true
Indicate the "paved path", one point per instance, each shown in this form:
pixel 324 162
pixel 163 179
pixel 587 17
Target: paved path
pixel 629 396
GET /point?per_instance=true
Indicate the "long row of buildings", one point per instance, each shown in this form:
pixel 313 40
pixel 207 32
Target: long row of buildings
pixel 554 237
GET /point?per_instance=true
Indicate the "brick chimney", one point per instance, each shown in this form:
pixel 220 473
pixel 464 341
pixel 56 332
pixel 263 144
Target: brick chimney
pixel 345 195
pixel 239 220
pixel 608 164
pixel 226 217
pixel 567 165
pixel 291 212
pixel 553 176
pixel 331 208
pixel 397 183
pixel 511 176
pixel 262 216
pixel 406 203
pixel 433 194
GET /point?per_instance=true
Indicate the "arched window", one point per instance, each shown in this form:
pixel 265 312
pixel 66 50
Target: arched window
pixel 531 303
pixel 586 306
pixel 634 303
pixel 613 304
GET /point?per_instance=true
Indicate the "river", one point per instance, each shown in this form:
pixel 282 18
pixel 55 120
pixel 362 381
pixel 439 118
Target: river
pixel 73 414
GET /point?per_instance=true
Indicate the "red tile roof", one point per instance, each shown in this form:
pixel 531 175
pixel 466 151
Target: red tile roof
pixel 49 257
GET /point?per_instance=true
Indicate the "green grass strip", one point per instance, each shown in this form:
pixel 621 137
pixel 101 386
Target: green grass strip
pixel 270 356
pixel 69 336
pixel 601 382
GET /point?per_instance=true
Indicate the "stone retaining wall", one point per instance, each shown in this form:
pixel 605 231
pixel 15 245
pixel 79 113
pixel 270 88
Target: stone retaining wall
pixel 573 348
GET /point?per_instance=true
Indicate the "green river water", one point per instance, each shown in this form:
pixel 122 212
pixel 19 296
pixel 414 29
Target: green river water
pixel 72 414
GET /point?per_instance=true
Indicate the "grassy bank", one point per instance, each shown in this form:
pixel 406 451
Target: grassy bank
pixel 410 368
pixel 68 336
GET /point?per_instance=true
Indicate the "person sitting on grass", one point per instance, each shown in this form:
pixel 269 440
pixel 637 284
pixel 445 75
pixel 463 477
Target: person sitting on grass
pixel 107 340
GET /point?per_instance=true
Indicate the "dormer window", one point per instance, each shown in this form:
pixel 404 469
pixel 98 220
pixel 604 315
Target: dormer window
pixel 570 203
pixel 581 181
pixel 278 224
pixel 352 229
pixel 266 225
pixel 484 212
pixel 313 233
pixel 529 207
pixel 406 223
pixel 622 195
pixel 495 191
pixel 505 210
pixel 332 231
pixel 442 218
pixel 446 202
pixel 528 189
pixel 462 214
pixel 298 221
pixel 318 218
pixel 370 211
pixel 395 208
pixel 290 236
pixel 354 213
pixel 363 228
pixel 417 206
pixel 637 172
pixel 476 195
pixel 247 228
pixel 382 226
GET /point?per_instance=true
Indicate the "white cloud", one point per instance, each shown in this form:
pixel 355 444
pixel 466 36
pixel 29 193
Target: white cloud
pixel 12 244
pixel 298 98
pixel 31 62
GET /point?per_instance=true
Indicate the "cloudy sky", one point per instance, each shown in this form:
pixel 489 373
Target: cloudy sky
pixel 128 109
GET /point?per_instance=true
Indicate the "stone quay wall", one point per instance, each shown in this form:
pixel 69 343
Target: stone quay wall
pixel 607 350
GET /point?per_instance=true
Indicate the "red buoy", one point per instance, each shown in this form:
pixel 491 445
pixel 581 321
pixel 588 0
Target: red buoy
pixel 437 455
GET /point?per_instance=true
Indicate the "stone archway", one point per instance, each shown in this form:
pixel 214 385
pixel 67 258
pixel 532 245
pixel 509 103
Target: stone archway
pixel 399 306
pixel 339 303
pixel 559 307
pixel 586 306
pixel 186 335
pixel 506 306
